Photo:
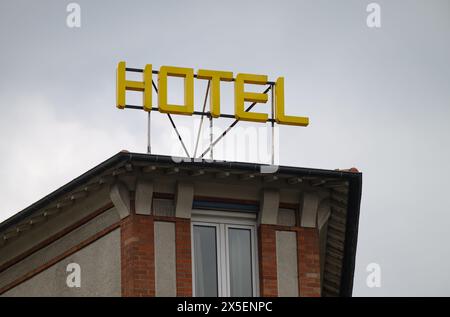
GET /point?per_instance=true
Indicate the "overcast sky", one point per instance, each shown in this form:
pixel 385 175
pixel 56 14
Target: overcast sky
pixel 378 99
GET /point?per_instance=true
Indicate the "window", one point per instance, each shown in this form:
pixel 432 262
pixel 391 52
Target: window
pixel 224 254
pixel 205 254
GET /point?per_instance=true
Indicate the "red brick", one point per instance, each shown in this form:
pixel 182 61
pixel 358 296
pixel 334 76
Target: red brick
pixel 308 262
pixel 137 256
pixel 267 261
pixel 183 257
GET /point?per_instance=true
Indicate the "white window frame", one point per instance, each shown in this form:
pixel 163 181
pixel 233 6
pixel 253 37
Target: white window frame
pixel 222 221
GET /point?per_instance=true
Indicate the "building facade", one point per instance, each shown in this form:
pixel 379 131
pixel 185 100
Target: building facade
pixel 149 225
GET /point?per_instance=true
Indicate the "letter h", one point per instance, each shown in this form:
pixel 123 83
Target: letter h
pixel 123 85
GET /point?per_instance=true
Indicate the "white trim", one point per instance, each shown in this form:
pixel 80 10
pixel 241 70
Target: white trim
pixel 222 221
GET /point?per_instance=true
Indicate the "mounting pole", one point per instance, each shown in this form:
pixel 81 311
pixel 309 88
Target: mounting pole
pixel 173 125
pixel 201 120
pixel 230 127
pixel 149 147
pixel 273 123
pixel 211 135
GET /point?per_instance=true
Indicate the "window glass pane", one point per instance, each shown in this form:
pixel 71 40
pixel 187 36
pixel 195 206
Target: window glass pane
pixel 240 262
pixel 205 261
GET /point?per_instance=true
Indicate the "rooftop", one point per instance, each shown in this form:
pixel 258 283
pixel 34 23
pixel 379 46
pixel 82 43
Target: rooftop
pixel 344 185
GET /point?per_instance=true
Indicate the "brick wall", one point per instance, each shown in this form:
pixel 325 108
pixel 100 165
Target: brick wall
pixel 183 257
pixel 267 261
pixel 137 256
pixel 308 253
pixel 309 262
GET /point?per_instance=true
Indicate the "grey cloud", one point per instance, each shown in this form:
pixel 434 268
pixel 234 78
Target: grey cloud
pixel 377 100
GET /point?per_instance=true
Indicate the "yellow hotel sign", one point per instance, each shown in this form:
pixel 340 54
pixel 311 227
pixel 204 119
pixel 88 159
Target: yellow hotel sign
pixel 215 77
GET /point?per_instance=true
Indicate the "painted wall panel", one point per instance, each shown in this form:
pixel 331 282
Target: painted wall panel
pixel 99 275
pixel 165 261
pixel 287 263
pixel 59 246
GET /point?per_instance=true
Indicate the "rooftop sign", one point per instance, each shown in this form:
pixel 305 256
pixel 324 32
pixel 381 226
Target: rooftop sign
pixel 215 77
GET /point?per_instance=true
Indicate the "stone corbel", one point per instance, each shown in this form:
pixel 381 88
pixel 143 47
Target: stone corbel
pixel 323 213
pixel 120 197
pixel 143 197
pixel 270 203
pixel 183 200
pixel 309 204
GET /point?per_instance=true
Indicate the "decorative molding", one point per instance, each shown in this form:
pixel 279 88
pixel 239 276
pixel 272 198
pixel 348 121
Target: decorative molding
pixel 323 213
pixel 143 197
pixel 55 237
pixel 60 257
pixel 183 200
pixel 270 202
pixel 120 196
pixel 309 204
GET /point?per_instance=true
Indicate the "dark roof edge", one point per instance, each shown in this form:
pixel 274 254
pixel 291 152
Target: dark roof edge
pixel 16 218
pixel 250 167
pixel 351 236
pixel 125 156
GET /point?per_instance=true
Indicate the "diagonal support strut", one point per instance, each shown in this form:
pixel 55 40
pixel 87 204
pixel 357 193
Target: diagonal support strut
pixel 174 126
pixel 230 127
